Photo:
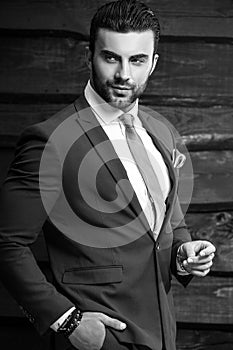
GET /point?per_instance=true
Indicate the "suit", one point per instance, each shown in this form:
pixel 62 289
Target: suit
pixel 101 260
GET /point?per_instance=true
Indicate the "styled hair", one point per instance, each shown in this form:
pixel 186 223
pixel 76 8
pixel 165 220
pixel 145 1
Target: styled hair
pixel 124 16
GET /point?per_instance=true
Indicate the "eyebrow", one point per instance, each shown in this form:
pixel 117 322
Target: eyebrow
pixel 110 53
pixel 140 55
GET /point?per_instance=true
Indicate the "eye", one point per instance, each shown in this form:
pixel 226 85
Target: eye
pixel 138 61
pixel 110 59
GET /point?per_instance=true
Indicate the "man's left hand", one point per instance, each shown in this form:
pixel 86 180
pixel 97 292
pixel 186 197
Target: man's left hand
pixel 197 257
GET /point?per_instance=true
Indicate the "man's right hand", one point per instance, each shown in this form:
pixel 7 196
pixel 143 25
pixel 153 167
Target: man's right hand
pixel 90 333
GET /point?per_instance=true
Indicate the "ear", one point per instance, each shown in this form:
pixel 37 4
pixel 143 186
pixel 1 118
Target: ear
pixel 155 60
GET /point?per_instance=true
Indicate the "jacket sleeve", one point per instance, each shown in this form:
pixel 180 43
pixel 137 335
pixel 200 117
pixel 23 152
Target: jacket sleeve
pixel 181 235
pixel 21 220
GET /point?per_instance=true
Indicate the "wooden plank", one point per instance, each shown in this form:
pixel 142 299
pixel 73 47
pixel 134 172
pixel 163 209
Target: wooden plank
pixel 217 228
pixel 194 339
pixel 53 66
pixel 43 65
pixel 213 295
pixel 205 300
pixel 209 18
pixel 201 128
pixel 212 174
pixel 188 69
pixel 213 170
pixel 14 118
pixel 209 128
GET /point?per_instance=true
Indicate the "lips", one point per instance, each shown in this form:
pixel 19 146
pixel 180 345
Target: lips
pixel 120 87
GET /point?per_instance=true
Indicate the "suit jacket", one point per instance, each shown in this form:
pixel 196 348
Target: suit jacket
pixel 102 253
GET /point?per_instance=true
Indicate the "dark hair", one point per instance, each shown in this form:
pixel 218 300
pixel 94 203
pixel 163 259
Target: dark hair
pixel 124 16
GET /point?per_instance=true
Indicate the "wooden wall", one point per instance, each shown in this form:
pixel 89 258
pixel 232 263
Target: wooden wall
pixel 42 68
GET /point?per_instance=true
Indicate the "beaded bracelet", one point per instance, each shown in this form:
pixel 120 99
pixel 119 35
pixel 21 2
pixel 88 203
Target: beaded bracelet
pixel 71 323
pixel 180 260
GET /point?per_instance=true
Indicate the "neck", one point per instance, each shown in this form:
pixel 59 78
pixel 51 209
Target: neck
pixel 128 108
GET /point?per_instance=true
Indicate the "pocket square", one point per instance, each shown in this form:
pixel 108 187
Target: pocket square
pixel 178 158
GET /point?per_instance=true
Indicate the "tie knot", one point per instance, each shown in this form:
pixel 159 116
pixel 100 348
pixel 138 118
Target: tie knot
pixel 127 120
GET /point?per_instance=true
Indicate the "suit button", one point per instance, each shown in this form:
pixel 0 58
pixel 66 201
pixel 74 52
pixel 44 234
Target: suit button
pixel 157 246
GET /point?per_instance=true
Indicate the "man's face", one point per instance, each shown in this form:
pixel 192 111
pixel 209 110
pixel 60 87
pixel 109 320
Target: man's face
pixel 121 65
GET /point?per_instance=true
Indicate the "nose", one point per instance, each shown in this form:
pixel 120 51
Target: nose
pixel 123 71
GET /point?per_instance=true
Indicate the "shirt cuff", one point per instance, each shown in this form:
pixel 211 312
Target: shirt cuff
pixel 59 322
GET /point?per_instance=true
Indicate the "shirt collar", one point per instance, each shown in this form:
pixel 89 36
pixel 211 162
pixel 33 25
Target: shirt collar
pixel 103 110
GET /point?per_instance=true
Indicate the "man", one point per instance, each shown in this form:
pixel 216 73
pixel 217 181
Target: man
pixel 100 178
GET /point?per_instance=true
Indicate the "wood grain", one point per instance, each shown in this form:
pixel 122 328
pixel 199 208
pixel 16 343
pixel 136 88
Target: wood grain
pixel 209 128
pixel 43 61
pixel 209 339
pixel 53 66
pixel 205 300
pixel 211 175
pixel 209 18
pixel 217 228
pixel 213 295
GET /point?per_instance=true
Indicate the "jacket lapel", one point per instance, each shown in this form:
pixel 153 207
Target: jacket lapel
pixel 100 141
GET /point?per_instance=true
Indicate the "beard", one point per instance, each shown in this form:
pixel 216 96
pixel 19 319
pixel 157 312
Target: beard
pixel 118 92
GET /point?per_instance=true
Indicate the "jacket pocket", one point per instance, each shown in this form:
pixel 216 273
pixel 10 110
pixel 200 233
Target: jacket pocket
pixel 93 275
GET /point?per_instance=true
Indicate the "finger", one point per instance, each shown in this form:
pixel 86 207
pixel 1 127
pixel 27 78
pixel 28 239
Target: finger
pixel 187 250
pixel 197 267
pixel 201 267
pixel 186 266
pixel 206 258
pixel 197 263
pixel 208 248
pixel 200 273
pixel 200 259
pixel 112 322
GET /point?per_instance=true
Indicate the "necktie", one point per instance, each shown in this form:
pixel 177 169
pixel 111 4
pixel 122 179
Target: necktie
pixel 145 168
